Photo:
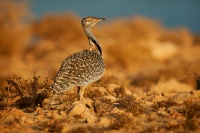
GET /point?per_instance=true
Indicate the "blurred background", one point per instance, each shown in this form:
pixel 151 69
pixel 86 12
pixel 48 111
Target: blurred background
pixel 172 13
pixel 144 42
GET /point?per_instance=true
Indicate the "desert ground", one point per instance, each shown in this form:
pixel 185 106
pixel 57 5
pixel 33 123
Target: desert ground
pixel 151 82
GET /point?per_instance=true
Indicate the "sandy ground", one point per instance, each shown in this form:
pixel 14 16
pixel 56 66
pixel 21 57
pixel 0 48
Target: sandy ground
pixel 112 108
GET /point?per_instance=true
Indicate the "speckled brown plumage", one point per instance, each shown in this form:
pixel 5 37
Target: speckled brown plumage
pixel 79 69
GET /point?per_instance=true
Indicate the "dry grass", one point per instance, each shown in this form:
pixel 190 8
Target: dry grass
pixel 130 105
pixel 31 92
pixel 103 106
pixel 191 111
pixel 165 104
pixel 121 121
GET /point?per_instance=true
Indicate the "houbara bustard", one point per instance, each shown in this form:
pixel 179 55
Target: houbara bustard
pixel 82 68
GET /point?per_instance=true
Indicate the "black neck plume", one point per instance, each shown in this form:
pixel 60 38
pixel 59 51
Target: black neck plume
pixel 97 45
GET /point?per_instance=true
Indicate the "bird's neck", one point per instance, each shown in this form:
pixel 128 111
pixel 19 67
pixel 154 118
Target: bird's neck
pixel 94 44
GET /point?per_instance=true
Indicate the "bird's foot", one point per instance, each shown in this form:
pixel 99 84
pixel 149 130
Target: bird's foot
pixel 81 92
pixel 84 101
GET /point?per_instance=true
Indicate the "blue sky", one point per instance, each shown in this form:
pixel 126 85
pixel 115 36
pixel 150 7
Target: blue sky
pixel 172 13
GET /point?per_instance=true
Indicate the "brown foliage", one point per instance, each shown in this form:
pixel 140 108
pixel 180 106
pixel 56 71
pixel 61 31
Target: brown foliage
pixel 103 106
pixel 14 30
pixel 130 104
pixel 191 109
pixel 166 104
pixel 57 28
pixel 121 121
pixel 32 92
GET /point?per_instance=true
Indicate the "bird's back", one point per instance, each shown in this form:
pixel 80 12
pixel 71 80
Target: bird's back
pixel 79 69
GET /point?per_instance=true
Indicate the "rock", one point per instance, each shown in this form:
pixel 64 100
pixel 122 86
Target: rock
pixel 12 115
pixel 100 90
pixel 162 113
pixel 174 112
pixel 180 98
pixel 39 111
pixel 55 115
pixel 149 98
pixel 104 121
pixel 117 111
pixel 89 101
pixel 46 100
pixel 91 119
pixel 172 122
pixel 80 109
pixel 111 98
pixel 111 87
pixel 40 117
pixel 159 98
pixel 153 116
pixel 127 92
pixel 122 90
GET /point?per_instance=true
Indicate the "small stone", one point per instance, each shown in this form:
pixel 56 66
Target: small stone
pixel 111 87
pixel 40 117
pixel 91 119
pixel 55 115
pixel 104 121
pixel 117 111
pixel 172 122
pixel 127 92
pixel 112 98
pixel 39 111
pixel 80 109
pixel 89 101
pixel 162 113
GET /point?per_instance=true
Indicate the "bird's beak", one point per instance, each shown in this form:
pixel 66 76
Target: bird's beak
pixel 101 19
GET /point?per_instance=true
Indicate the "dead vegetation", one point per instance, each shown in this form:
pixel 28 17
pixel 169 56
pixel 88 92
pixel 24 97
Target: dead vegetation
pixel 121 121
pixel 165 104
pixel 130 105
pixel 29 93
pixel 191 111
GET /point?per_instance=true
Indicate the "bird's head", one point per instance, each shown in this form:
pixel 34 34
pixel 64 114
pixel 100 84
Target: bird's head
pixel 90 21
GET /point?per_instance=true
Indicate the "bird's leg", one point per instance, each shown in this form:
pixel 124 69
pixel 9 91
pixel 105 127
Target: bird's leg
pixel 81 92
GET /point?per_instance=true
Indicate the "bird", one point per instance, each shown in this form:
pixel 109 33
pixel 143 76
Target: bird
pixel 82 68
